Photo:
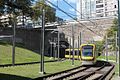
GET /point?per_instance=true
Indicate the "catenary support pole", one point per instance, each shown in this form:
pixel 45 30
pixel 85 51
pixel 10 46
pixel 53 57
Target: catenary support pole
pixel 70 48
pixel 58 45
pixel 78 47
pixel 73 51
pixel 119 32
pixel 80 38
pixel 116 46
pixel 106 46
pixel 51 51
pixel 13 47
pixel 43 41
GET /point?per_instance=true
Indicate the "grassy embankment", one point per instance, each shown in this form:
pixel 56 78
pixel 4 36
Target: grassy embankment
pixel 27 72
pixel 22 55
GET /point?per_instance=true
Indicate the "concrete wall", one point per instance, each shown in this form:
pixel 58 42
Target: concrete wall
pixel 31 38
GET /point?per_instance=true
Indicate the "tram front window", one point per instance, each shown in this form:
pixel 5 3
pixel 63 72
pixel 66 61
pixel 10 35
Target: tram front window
pixel 87 52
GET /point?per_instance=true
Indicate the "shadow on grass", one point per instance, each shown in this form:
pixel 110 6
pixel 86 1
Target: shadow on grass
pixel 20 45
pixel 12 77
pixel 5 43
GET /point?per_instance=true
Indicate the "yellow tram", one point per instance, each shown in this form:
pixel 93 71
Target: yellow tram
pixel 88 54
pixel 69 53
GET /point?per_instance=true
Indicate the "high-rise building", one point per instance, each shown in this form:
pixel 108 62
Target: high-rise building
pixel 86 9
pixel 96 8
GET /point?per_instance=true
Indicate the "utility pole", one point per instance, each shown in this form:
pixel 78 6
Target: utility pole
pixel 116 46
pixel 13 47
pixel 14 33
pixel 70 48
pixel 54 49
pixel 81 9
pixel 43 41
pixel 106 45
pixel 73 52
pixel 78 47
pixel 51 51
pixel 80 38
pixel 119 32
pixel 58 45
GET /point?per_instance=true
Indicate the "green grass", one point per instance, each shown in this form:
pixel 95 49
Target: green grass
pixel 32 71
pixel 109 57
pixel 21 55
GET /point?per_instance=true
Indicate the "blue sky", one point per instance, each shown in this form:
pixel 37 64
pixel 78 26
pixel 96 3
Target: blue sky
pixel 62 5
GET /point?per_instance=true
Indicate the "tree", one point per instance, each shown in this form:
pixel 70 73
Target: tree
pixel 112 32
pixel 99 46
pixel 49 11
pixel 15 7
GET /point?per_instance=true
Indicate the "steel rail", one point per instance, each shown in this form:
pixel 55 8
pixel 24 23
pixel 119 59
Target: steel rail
pixel 83 73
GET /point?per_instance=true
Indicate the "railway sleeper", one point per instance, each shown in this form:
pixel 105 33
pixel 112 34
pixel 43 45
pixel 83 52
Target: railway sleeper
pixel 95 77
pixel 67 74
pixel 81 76
pixel 108 75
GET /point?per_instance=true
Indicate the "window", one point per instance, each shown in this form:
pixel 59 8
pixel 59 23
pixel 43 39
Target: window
pixel 87 52
pixel 99 1
pixel 105 4
pixel 105 9
pixel 115 6
pixel 99 6
pixel 99 11
pixel 67 52
pixel 99 15
pixel 106 14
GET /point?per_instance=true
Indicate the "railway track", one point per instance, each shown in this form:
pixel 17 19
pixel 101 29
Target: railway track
pixel 101 70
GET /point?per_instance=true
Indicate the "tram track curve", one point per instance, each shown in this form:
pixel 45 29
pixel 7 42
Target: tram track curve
pixel 96 72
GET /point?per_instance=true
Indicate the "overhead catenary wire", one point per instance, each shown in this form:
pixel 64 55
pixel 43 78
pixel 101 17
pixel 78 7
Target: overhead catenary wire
pixel 69 30
pixel 79 12
pixel 73 18
pixel 94 23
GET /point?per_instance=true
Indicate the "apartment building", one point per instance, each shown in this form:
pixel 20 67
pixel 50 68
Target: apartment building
pixel 86 9
pixel 106 8
pixel 96 8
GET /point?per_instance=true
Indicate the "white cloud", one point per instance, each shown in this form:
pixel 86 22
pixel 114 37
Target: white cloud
pixel 71 9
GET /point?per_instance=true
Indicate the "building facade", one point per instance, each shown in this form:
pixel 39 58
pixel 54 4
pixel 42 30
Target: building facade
pixel 86 9
pixel 96 8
